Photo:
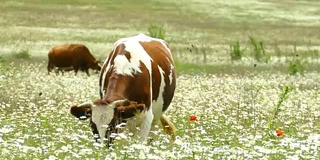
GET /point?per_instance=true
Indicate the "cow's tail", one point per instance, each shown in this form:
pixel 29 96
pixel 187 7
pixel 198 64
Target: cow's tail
pixel 168 127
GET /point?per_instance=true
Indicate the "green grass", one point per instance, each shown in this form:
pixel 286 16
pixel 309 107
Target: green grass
pixel 191 68
pixel 258 50
pixel 24 54
pixel 296 66
pixel 236 52
pixel 157 31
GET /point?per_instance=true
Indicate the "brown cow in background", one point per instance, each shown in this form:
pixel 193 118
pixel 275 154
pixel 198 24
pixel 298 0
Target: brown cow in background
pixel 72 57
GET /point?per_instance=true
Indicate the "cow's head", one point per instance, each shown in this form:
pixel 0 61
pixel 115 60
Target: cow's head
pixel 106 116
pixel 96 66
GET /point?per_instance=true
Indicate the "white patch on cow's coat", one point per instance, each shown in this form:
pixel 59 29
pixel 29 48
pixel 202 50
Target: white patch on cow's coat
pixel 101 117
pixel 171 71
pixel 124 67
pixel 137 53
pixel 157 105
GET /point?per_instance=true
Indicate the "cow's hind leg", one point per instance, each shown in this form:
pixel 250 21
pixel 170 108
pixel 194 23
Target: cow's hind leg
pixel 49 67
pixel 76 69
pixel 168 127
pixel 154 130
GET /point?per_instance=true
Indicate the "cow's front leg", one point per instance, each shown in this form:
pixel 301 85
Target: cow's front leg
pixel 94 131
pixel 146 125
pixel 132 127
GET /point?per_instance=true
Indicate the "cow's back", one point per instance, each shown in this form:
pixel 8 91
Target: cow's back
pixel 83 52
pixel 68 54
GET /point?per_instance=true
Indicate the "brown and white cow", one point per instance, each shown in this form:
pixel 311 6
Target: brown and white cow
pixel 69 57
pixel 137 84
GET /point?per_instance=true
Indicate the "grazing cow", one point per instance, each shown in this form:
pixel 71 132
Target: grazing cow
pixel 72 57
pixel 137 84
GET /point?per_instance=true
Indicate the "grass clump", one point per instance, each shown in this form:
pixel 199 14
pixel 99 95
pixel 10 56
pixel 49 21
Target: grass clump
pixel 24 54
pixel 258 50
pixel 277 108
pixel 156 31
pixel 296 66
pixel 236 53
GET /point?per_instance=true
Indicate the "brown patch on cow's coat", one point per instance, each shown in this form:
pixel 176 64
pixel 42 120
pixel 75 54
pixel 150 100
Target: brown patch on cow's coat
pixel 111 58
pixel 128 56
pixel 129 111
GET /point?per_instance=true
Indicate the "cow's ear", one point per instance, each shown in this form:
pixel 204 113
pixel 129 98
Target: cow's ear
pixel 82 111
pixel 131 110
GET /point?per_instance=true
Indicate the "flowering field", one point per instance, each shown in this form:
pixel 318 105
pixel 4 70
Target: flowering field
pixel 217 117
pixel 224 108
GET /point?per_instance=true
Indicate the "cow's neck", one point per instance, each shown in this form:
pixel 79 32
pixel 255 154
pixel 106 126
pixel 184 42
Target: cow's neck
pixel 127 87
pixel 116 90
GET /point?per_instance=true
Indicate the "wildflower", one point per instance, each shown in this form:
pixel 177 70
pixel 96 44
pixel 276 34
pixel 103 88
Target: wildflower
pixel 122 136
pixel 51 157
pixel 113 135
pixel 121 125
pixel 96 136
pixel 142 155
pixel 178 142
pixel 85 151
pixel 193 118
pixel 59 129
pixel 5 129
pixel 279 132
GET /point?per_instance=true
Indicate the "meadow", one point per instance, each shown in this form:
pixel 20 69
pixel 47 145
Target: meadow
pixel 245 69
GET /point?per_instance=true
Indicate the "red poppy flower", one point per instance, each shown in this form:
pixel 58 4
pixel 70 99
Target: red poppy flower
pixel 193 118
pixel 279 132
